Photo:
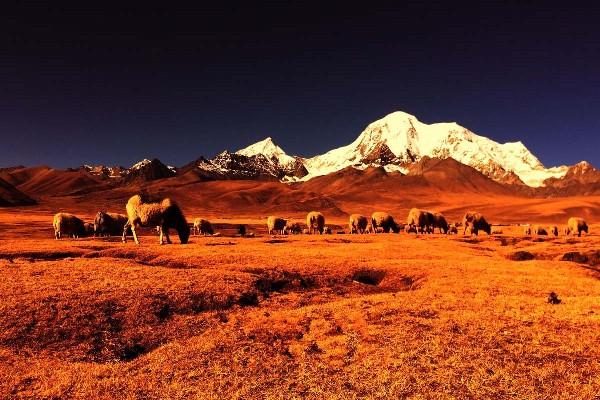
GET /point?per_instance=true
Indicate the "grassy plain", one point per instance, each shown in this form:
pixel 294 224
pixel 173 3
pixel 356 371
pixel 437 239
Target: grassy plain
pixel 333 316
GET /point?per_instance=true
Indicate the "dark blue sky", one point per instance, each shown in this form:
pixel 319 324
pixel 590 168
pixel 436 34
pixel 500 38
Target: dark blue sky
pixel 114 86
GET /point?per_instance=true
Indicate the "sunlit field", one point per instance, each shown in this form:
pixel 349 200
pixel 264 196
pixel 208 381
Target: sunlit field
pixel 331 316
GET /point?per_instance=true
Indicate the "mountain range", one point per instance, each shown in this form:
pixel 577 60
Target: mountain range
pixel 397 145
pixel 396 142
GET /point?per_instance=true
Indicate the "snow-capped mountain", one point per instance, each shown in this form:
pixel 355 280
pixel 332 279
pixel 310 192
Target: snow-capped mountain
pixel 289 168
pixel 145 162
pixel 140 164
pixel 582 173
pixel 105 171
pixel 270 150
pixel 396 142
pixel 149 170
pixel 399 139
pixel 144 169
pixel 263 160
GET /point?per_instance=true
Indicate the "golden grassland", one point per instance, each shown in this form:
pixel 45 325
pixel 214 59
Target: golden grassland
pixel 333 316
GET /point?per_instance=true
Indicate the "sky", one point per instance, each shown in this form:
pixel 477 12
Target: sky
pixel 113 86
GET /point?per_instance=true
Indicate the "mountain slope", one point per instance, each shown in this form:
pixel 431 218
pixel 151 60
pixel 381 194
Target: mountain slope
pixel 580 173
pixel 403 140
pixel 263 160
pixel 270 150
pixel 398 147
pixel 148 170
pixel 11 196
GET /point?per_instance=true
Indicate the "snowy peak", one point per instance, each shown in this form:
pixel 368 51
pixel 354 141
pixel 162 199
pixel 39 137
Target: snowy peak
pixel 409 139
pixel 149 170
pixel 582 168
pixel 103 171
pixel 145 162
pixel 140 164
pixel 269 149
pixel 395 143
pixel 263 160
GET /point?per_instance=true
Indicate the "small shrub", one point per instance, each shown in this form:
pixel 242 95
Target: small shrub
pixel 575 256
pixel 132 352
pixel 248 299
pixel 553 298
pixel 521 255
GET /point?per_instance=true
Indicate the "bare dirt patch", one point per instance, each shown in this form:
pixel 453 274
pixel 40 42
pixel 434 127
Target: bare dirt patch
pixel 369 276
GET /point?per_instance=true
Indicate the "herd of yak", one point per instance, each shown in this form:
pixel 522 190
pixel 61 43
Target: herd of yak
pixel 166 215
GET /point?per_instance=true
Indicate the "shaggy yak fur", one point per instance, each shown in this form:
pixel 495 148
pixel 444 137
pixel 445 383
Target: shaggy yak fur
pixel 164 215
pixel 315 222
pixel 358 223
pixel 69 225
pixel 203 227
pixel 385 221
pixel 109 224
pixel 576 226
pixel 439 221
pixel 276 225
pixel 476 222
pixel 420 221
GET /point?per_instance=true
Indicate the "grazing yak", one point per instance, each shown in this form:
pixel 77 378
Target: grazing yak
pixel 68 225
pixel 109 224
pixel 540 230
pixel 276 225
pixel 88 227
pixel 202 227
pixel 294 228
pixel 165 215
pixel 385 221
pixel 476 222
pixel 315 222
pixel 527 230
pixel 553 230
pixel 576 226
pixel 453 229
pixel 439 221
pixel 420 221
pixel 358 223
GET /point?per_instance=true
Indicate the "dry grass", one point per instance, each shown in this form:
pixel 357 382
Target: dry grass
pixel 372 316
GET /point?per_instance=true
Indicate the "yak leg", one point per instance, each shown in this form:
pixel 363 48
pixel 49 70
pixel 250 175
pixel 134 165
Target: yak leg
pixel 160 234
pixel 127 225
pixel 135 238
pixel 166 234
